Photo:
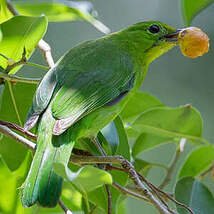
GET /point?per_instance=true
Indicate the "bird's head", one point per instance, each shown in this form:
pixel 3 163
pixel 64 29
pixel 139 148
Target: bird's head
pixel 151 38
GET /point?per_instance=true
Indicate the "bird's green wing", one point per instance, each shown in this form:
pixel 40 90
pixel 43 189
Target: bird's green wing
pixel 95 80
pixel 41 98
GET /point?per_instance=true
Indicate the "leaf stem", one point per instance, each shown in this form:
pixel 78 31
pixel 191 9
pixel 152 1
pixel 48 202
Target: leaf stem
pixel 3 56
pixel 173 164
pixel 14 103
pixel 36 65
pixel 13 78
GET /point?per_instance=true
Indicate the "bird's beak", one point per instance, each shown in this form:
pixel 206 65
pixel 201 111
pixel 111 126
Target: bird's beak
pixel 172 37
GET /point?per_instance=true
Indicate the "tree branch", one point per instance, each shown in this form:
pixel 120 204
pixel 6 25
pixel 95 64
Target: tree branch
pixel 65 209
pixel 126 191
pixel 7 132
pixel 80 159
pixel 18 128
pixel 109 199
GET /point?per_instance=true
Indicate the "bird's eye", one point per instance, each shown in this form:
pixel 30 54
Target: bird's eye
pixel 154 28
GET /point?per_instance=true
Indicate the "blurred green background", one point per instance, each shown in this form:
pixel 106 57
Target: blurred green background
pixel 174 79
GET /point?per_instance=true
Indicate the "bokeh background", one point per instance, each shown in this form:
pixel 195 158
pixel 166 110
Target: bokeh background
pixel 174 79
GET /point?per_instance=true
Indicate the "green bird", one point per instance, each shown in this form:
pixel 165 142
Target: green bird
pixel 86 90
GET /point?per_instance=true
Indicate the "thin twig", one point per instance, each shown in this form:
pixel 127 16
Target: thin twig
pixel 210 169
pixel 11 8
pixel 109 199
pixel 98 146
pixel 13 78
pixel 126 191
pixel 173 164
pixel 173 200
pixel 62 205
pixel 7 132
pixel 109 167
pixel 18 128
pixel 154 188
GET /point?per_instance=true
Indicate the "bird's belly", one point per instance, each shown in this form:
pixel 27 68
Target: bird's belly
pixel 91 124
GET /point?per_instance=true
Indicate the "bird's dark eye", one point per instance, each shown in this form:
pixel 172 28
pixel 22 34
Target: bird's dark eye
pixel 154 28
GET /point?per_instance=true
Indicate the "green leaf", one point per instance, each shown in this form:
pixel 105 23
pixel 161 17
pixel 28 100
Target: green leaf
pixel 195 195
pixel 1 93
pixel 71 197
pixel 88 177
pixel 115 135
pixel 190 8
pixel 148 141
pixel 99 198
pixel 162 125
pixel 144 166
pixel 139 103
pixel 10 183
pixel 12 152
pixel 7 188
pixel 199 160
pixel 18 33
pixel 62 11
pixel 5 14
pixel 109 134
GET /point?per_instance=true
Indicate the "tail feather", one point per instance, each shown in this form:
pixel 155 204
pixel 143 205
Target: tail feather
pixel 43 185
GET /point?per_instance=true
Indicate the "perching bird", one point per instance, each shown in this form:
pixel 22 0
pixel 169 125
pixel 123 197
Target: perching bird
pixel 86 90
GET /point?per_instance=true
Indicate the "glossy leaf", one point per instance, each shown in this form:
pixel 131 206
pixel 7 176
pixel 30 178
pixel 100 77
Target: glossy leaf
pixel 199 160
pixel 10 183
pixel 12 152
pixel 5 14
pixel 7 188
pixel 123 147
pixel 139 103
pixel 57 11
pixel 144 166
pixel 1 93
pixel 110 136
pixel 148 141
pixel 18 33
pixel 190 8
pixel 88 177
pixel 195 195
pixel 162 125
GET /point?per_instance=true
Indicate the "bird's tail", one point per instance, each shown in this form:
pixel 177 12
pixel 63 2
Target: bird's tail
pixel 43 185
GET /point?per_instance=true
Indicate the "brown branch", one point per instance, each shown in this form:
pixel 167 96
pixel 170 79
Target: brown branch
pixel 18 128
pixel 77 159
pixel 155 189
pixel 7 132
pixel 109 199
pixel 126 191
pixel 64 208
